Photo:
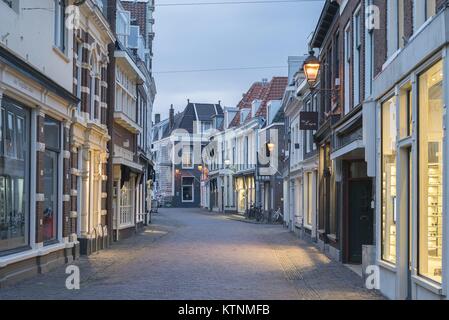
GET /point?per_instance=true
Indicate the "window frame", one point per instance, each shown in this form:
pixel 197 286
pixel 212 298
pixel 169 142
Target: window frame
pixel 191 151
pixel 187 185
pixel 419 74
pixel 60 35
pixel 385 100
pixel 58 151
pixel 356 62
pixel 8 103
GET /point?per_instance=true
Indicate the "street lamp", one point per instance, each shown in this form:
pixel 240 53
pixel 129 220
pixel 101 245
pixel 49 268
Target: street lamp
pixel 270 146
pixel 311 68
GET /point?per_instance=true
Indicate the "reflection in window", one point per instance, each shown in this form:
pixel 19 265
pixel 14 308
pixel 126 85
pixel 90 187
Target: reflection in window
pixel 431 172
pixel 50 178
pixel 389 180
pixel 14 183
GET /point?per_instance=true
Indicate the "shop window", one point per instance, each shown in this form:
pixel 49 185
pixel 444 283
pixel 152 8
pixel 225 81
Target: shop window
pixel 388 183
pixel 50 178
pixel 431 172
pixel 406 118
pixel 187 189
pixel 14 177
pixel 126 202
pixel 309 199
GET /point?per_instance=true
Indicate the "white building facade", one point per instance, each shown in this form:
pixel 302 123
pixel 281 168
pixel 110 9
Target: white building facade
pixel 37 230
pixel 409 105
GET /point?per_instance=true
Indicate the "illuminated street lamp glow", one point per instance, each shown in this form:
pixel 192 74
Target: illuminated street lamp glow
pixel 311 68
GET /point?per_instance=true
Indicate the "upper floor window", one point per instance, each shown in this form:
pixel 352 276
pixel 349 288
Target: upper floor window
pixel 423 10
pixel 93 90
pixel 337 57
pixel 357 56
pixel 123 26
pixel 60 24
pixel 79 65
pixel 206 126
pixel 431 8
pixel 187 156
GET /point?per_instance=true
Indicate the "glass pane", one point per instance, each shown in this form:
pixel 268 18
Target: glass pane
pixel 431 172
pixel 13 179
pixel 51 132
pixel 389 180
pixel 50 194
pixel 406 113
pixel 10 138
pixel 358 169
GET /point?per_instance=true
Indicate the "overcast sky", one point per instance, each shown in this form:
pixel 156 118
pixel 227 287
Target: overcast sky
pixel 224 36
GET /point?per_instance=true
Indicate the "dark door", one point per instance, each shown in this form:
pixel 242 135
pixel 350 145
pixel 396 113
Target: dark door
pixel 360 218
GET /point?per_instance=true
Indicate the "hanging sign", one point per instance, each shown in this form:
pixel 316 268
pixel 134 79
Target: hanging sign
pixel 308 120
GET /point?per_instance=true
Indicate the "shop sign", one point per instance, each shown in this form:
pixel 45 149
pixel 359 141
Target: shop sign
pixel 308 120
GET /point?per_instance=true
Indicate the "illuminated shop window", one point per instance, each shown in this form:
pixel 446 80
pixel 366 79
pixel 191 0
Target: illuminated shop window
pixel 431 172
pixel 388 207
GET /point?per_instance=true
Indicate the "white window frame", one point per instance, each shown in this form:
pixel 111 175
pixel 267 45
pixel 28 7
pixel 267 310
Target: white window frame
pixel 60 36
pixel 369 57
pixel 309 133
pixel 192 164
pixel 357 26
pixel 187 185
pixel 347 63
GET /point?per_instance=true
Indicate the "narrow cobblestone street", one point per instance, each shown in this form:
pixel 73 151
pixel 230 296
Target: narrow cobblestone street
pixel 194 254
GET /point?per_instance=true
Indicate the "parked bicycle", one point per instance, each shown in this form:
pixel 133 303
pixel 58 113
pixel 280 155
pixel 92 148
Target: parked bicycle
pixel 259 214
pixel 277 216
pixel 249 213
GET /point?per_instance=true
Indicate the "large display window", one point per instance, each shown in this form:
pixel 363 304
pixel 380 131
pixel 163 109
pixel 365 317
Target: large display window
pixel 14 176
pixel 430 222
pixel 389 203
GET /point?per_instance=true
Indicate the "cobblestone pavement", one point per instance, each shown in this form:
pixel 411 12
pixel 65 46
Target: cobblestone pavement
pixel 194 254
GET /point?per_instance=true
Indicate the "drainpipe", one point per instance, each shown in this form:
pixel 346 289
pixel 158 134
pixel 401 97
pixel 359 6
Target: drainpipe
pixel 112 15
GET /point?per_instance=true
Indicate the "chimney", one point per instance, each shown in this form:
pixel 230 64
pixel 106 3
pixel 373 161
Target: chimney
pixel 171 117
pixel 157 118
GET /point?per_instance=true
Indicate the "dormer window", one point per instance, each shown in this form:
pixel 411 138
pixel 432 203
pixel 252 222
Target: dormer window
pixel 206 126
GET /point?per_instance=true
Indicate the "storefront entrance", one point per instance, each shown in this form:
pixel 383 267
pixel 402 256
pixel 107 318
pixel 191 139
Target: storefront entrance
pixel 360 214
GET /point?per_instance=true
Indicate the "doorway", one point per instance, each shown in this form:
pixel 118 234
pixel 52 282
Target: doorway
pixel 360 213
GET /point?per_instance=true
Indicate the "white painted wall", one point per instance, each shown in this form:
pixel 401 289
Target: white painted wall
pixel 29 33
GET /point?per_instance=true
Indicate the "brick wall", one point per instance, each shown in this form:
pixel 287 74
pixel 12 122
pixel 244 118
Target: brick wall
pixel 138 12
pixel 88 43
pixel 121 135
pixel 380 38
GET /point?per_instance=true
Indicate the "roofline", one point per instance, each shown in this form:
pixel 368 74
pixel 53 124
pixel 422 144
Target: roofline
pixel 330 7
